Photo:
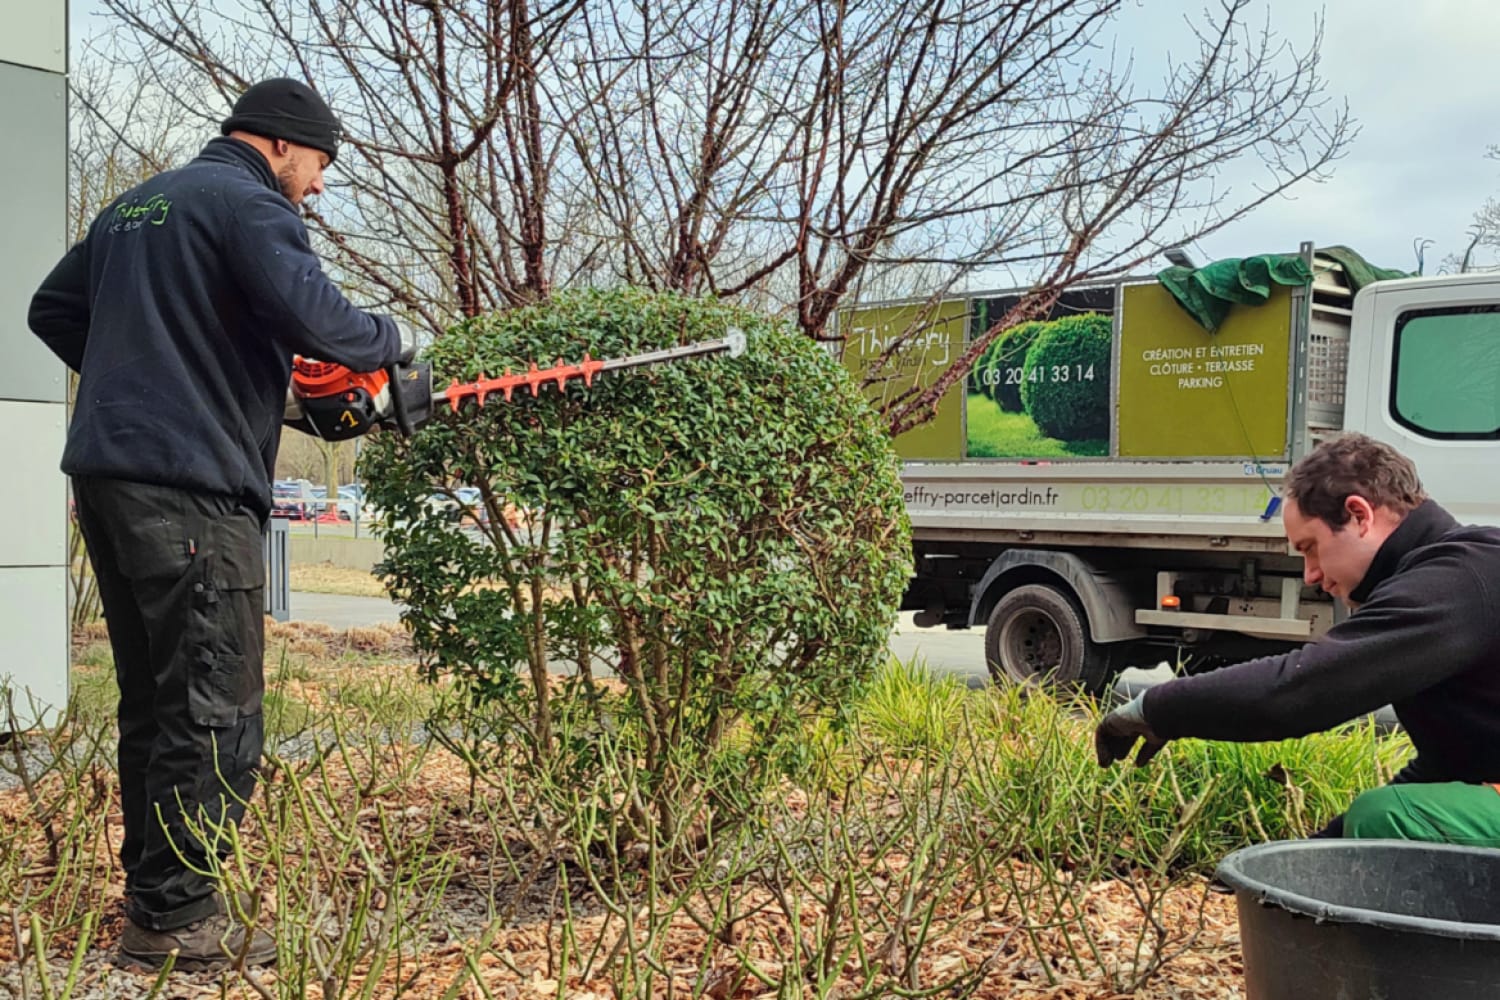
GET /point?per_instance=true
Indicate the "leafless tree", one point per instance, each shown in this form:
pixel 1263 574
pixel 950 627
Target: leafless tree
pixel 327 463
pixel 122 129
pixel 999 137
pixel 442 207
pixel 795 154
pixel 1483 233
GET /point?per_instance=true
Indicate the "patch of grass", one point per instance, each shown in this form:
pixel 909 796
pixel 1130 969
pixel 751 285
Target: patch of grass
pixel 1197 801
pixel 95 655
pixel 1290 788
pixel 91 684
pixel 309 669
pixel 993 433
pixel 911 709
pixel 283 666
pixel 326 578
pixel 284 717
pixel 95 693
pixel 391 697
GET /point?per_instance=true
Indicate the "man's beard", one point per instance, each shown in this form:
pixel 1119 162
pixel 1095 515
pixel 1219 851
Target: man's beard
pixel 286 180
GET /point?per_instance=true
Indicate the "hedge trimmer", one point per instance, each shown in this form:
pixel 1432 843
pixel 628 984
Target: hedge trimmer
pixel 337 403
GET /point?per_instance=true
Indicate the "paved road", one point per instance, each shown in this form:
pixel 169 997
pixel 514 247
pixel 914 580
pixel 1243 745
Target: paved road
pixel 340 611
pixel 958 652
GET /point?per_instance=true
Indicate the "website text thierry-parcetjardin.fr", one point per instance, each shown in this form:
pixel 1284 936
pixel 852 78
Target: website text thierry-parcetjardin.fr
pixel 921 496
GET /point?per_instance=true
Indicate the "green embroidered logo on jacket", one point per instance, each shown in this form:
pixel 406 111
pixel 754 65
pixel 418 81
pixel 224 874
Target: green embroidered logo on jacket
pixel 133 216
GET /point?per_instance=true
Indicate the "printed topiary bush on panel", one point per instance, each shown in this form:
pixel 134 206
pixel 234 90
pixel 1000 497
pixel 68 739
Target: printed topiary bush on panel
pixel 979 380
pixel 1065 387
pixel 725 535
pixel 1010 349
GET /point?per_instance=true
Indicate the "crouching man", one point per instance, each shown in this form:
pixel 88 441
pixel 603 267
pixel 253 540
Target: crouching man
pixel 1424 637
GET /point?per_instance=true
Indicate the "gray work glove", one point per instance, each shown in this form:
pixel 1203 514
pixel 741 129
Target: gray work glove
pixel 293 411
pixel 409 343
pixel 1117 732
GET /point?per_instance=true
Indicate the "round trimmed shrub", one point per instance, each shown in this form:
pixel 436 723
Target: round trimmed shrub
pixel 1065 387
pixel 725 535
pixel 1010 352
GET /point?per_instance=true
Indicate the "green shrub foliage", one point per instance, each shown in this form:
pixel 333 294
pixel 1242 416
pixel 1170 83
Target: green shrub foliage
pixel 1009 355
pixel 726 535
pixel 1065 387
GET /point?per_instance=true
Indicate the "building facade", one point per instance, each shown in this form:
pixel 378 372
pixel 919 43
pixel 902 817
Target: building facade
pixel 33 384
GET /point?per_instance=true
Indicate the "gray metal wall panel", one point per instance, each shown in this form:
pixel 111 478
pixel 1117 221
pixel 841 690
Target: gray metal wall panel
pixel 36 503
pixel 34 649
pixel 35 34
pixel 33 203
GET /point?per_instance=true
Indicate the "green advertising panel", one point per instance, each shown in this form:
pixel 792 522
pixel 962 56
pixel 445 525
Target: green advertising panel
pixel 1188 393
pixel 1041 389
pixel 924 356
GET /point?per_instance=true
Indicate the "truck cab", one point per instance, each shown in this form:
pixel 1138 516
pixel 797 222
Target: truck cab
pixel 1424 376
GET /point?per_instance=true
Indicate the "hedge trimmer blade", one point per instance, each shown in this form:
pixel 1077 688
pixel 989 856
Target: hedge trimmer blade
pixel 732 343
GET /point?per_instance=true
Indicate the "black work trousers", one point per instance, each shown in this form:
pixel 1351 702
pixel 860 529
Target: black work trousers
pixel 181 577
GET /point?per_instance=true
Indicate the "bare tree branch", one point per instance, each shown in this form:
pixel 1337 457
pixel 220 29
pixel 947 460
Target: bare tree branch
pixel 796 154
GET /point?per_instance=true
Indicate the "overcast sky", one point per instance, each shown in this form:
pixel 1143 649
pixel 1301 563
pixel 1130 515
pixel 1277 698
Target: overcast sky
pixel 1419 79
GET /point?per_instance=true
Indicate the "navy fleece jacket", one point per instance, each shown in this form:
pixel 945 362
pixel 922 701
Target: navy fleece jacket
pixel 181 310
pixel 1425 639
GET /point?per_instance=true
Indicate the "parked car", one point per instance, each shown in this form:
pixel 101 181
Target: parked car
pixel 464 503
pixel 461 505
pixel 288 500
pixel 442 503
pixel 298 499
pixel 351 503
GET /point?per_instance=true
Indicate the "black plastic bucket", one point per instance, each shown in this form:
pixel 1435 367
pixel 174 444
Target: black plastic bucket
pixel 1367 919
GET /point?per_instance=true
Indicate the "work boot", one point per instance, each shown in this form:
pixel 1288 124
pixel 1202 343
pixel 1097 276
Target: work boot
pixel 206 945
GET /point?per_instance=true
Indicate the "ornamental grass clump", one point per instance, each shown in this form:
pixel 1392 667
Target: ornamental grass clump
pixel 675 556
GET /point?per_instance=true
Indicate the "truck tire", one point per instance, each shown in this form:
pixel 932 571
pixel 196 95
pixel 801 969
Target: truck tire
pixel 1036 636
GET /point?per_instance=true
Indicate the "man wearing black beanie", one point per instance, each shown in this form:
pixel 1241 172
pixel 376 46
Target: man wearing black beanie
pixel 180 310
pixel 290 125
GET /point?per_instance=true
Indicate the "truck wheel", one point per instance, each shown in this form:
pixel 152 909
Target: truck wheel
pixel 1036 636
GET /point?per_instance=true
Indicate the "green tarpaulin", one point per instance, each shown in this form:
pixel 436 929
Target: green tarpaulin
pixel 1359 271
pixel 1208 292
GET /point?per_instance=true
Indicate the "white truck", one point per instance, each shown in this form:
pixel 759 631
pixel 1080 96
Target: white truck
pixel 1160 540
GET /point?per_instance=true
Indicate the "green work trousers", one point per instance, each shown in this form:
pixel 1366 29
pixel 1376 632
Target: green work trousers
pixel 1449 812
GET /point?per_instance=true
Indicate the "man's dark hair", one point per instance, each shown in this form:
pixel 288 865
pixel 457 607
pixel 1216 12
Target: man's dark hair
pixel 1353 464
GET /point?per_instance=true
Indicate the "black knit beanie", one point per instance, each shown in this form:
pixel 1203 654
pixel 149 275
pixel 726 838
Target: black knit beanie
pixel 285 109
